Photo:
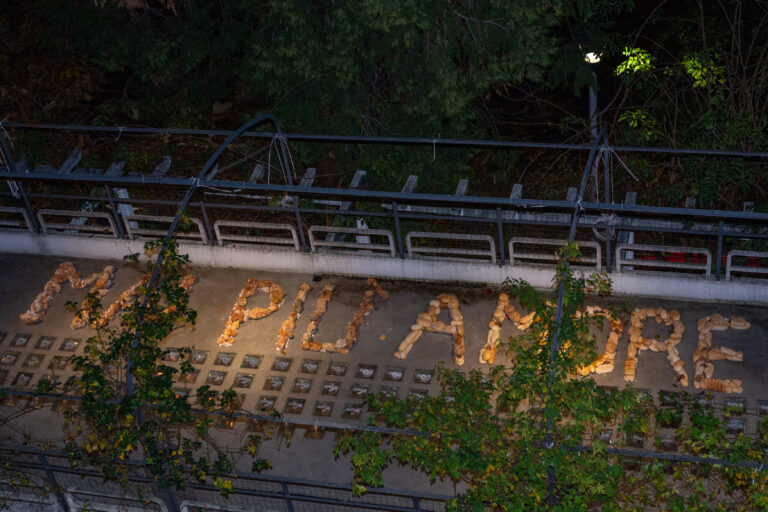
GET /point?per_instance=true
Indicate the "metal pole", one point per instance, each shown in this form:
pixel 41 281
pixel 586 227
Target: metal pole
pixel 500 225
pixel 207 224
pixel 115 212
pixel 288 502
pixel 549 442
pixel 52 478
pixel 398 236
pixel 719 261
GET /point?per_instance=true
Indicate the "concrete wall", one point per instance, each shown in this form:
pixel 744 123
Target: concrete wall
pixel 631 283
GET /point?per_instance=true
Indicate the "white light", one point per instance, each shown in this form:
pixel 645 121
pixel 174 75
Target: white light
pixel 592 58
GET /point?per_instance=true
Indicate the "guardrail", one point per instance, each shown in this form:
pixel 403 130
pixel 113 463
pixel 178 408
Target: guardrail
pixel 12 224
pixel 416 225
pixel 450 253
pixel 750 267
pixel 333 243
pixel 538 257
pixel 54 485
pixel 159 233
pixel 223 237
pixel 77 228
pixel 652 260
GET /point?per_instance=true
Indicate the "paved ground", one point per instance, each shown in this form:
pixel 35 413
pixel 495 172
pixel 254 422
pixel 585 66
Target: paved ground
pixel 22 278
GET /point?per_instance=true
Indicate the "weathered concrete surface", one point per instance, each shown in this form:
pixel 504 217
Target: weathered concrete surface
pixel 22 278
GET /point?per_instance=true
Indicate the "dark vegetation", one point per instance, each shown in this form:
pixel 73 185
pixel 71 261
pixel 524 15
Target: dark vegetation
pixel 686 74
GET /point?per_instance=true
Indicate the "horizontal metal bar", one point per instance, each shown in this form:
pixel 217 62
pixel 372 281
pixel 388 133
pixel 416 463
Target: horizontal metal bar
pixel 17 210
pixel 388 197
pixel 461 237
pixel 159 232
pixel 418 141
pixel 316 242
pixel 639 262
pixel 75 214
pixel 596 260
pixel 730 267
pixel 294 240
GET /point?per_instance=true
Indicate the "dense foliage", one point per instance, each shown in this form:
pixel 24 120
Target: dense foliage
pixel 111 423
pixel 488 431
pixel 672 73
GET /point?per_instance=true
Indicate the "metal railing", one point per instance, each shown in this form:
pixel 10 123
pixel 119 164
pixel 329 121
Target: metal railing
pixel 225 211
pixel 223 237
pixel 53 484
pixel 550 256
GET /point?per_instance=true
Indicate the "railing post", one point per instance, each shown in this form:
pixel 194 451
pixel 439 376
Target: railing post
pixel 287 496
pixel 52 478
pixel 207 224
pixel 719 257
pixel 300 225
pixel 500 226
pixel 398 235
pixel 115 212
pixel 607 250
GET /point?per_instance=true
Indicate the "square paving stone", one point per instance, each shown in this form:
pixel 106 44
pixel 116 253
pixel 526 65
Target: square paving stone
pixel 215 378
pixel 330 388
pixel 266 403
pixel 669 398
pixel 9 358
pixel 294 406
pixel 394 373
pixel 417 393
pixel 199 356
pixel 736 426
pixel 423 376
pixel 389 391
pixel 69 344
pixel 243 380
pixel 359 390
pixel 606 435
pixel 736 405
pixel 224 359
pixel 45 342
pixel 189 378
pixel 182 393
pixel 33 360
pixel 365 371
pixel 274 383
pixel 352 411
pixel 58 363
pixel 282 364
pixel 668 442
pixel 337 368
pixel 23 379
pixel 322 409
pixel 172 355
pixel 704 400
pixel 310 366
pixel 636 441
pixel 251 361
pixel 21 340
pixel 301 386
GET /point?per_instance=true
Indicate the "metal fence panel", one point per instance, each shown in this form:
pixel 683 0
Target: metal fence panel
pixel 266 240
pixel 450 253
